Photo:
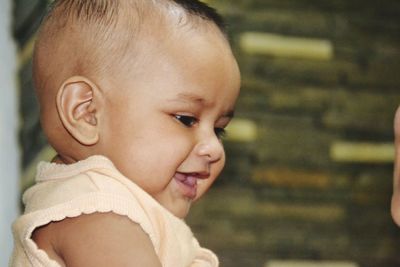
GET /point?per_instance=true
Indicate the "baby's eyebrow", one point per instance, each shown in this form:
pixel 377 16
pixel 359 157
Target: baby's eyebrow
pixel 189 98
pixel 196 99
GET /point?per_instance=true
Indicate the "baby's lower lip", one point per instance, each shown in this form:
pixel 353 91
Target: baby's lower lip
pixel 187 185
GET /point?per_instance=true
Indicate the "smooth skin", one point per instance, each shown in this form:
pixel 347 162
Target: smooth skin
pixel 97 240
pixel 157 125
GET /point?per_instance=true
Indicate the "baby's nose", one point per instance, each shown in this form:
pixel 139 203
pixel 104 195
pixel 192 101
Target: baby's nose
pixel 211 148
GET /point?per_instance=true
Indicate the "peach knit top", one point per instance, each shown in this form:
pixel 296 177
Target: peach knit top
pixel 95 185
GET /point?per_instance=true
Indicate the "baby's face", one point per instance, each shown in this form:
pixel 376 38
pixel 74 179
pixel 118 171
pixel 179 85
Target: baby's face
pixel 163 123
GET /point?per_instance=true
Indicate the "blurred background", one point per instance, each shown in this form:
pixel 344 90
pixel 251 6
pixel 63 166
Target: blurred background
pixel 309 173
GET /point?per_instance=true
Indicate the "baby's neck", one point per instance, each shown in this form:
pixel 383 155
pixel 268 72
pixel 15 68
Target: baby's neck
pixel 63 159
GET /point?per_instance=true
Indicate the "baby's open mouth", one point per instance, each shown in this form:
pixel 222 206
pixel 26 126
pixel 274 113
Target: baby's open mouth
pixel 188 184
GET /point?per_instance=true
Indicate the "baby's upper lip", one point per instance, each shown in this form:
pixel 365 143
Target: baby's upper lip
pixel 198 175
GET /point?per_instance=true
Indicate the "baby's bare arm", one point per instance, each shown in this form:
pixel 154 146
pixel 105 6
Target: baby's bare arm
pixel 99 239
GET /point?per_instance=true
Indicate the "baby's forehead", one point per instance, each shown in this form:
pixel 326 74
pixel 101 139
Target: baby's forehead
pixel 95 35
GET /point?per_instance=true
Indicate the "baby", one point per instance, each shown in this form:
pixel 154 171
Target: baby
pixel 134 97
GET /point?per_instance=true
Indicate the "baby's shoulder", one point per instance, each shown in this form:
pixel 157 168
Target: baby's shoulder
pixel 97 239
pixel 88 219
pixel 55 192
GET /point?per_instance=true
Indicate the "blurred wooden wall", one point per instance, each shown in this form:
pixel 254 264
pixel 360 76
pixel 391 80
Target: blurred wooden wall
pixel 309 170
pixel 309 167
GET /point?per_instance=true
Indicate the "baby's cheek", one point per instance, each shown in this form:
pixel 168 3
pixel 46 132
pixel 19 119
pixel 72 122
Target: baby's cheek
pixel 219 166
pixel 204 185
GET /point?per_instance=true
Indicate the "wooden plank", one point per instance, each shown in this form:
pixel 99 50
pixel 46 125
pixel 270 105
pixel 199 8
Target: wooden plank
pixel 303 263
pixel 293 140
pixel 286 46
pixel 291 178
pixel 242 130
pixel 362 152
pixel 26 52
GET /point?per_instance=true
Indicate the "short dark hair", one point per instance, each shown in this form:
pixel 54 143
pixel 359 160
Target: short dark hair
pixel 204 11
pixel 104 10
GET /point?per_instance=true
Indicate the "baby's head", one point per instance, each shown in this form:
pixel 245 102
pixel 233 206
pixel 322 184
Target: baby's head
pixel 150 84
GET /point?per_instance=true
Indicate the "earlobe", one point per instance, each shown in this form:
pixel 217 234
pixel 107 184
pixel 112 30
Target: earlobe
pixel 77 109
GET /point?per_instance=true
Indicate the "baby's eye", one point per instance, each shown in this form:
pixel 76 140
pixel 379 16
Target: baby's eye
pixel 188 121
pixel 220 132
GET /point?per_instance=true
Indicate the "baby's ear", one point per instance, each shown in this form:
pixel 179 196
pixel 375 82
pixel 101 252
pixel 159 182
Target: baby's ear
pixel 76 106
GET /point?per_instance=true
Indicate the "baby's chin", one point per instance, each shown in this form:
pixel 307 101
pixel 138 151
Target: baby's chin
pixel 180 208
pixel 181 213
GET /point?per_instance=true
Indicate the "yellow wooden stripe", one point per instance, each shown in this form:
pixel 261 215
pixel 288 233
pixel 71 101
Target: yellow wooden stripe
pixel 286 46
pixel 342 151
pixel 314 212
pixel 26 52
pixel 309 263
pixel 241 130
